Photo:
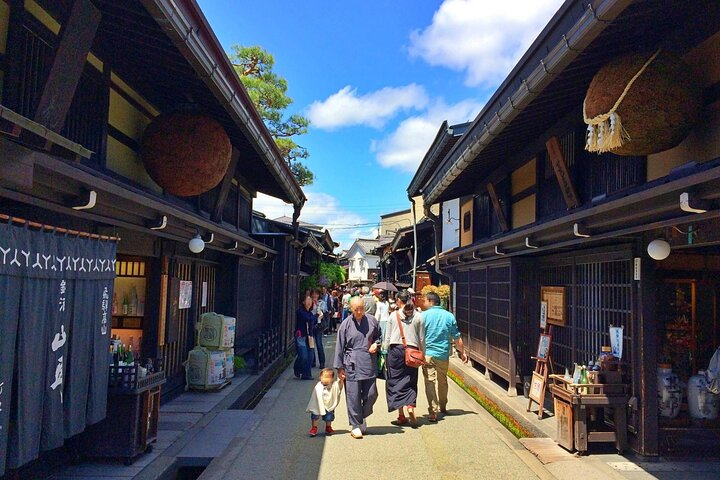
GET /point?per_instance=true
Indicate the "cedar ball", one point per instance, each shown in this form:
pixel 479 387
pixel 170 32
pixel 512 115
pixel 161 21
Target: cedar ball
pixel 660 108
pixel 186 153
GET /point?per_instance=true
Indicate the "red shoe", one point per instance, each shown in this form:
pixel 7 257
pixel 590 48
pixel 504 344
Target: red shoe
pixel 329 431
pixel 313 431
pixel 401 420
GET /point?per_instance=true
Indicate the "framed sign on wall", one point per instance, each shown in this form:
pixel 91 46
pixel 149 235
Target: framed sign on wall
pixel 555 299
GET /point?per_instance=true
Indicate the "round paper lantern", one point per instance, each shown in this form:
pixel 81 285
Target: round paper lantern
pixel 658 249
pixel 641 103
pixel 185 153
pixel 196 244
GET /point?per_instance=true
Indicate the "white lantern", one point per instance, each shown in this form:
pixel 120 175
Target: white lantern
pixel 658 249
pixel 196 244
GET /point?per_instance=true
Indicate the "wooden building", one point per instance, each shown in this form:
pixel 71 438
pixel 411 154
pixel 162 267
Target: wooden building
pixel 537 209
pixel 82 80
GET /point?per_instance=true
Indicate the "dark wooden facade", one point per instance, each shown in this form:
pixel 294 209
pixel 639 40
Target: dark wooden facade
pixel 541 211
pixel 82 80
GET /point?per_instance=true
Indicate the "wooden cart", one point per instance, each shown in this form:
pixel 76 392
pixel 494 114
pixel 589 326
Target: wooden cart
pixel 576 404
pixel 133 411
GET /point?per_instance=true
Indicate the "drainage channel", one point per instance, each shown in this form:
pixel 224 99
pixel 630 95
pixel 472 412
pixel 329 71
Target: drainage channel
pixel 192 468
pixel 250 404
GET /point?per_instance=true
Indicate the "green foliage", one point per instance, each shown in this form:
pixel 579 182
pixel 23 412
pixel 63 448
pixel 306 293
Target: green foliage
pixel 326 275
pixel 505 419
pixel 239 362
pixel 268 92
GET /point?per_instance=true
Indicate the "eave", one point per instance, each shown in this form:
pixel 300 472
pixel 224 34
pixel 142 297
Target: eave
pixel 653 206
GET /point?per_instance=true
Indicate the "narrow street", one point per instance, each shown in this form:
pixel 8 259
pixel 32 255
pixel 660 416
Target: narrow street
pixel 279 447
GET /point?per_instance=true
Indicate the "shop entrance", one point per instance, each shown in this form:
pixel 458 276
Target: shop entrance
pixel 688 336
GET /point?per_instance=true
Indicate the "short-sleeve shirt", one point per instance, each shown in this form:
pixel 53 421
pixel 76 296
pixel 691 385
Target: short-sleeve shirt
pixel 440 327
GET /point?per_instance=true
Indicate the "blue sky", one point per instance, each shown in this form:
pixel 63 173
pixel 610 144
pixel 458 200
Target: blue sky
pixel 376 79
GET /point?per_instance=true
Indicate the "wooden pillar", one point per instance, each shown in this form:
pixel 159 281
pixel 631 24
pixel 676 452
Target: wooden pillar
pixel 224 188
pixel 504 226
pixel 557 160
pixel 645 357
pixel 76 38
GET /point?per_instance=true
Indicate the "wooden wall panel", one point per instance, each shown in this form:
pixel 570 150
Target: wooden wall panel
pixel 523 212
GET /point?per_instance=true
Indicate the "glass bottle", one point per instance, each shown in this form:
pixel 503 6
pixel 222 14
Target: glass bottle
pixel 115 304
pixel 584 380
pixel 125 305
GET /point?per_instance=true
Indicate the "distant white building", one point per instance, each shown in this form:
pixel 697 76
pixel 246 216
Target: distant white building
pixel 362 264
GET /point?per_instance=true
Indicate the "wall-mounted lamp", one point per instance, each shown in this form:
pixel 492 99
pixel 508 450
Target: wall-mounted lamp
pixel 196 244
pixel 658 249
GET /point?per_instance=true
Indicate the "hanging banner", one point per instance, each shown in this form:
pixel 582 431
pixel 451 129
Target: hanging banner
pixel 616 341
pixel 54 332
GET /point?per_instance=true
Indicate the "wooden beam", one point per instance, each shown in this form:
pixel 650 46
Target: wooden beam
pixel 497 207
pixel 76 38
pixel 225 185
pixel 16 164
pixel 557 160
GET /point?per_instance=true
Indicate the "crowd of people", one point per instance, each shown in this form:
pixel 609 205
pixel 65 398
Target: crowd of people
pixel 378 335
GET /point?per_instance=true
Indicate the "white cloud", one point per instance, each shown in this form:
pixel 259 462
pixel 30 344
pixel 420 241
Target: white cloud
pixel 405 147
pixel 324 210
pixel 346 107
pixel 485 39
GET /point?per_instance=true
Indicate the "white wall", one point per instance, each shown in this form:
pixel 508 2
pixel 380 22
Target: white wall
pixel 451 228
pixel 358 272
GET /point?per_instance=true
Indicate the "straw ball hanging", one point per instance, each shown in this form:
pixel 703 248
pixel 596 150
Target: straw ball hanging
pixel 641 103
pixel 185 153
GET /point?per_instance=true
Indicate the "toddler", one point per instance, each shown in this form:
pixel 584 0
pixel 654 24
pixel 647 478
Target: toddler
pixel 324 400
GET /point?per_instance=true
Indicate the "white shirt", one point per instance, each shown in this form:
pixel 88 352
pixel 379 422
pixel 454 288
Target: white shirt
pixel 382 313
pixel 324 399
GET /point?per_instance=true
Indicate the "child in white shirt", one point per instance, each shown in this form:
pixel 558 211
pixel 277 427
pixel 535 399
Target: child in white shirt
pixel 324 400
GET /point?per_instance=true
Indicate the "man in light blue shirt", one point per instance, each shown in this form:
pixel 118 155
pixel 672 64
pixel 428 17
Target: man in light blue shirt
pixel 440 328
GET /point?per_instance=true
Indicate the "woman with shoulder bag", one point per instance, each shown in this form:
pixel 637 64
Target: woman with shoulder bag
pixel 405 343
pixel 304 339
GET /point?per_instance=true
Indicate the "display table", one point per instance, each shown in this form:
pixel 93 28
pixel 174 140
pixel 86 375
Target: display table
pixel 131 424
pixel 574 409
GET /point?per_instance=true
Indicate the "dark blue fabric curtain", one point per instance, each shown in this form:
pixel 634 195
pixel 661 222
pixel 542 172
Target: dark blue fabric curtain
pixel 54 339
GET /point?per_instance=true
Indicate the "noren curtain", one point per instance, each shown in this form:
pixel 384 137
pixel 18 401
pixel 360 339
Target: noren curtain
pixel 55 297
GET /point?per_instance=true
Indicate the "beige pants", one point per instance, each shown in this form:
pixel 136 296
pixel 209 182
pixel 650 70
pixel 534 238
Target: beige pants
pixel 436 383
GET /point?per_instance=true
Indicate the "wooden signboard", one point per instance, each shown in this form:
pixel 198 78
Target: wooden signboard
pixel 543 351
pixel 537 388
pixel 555 298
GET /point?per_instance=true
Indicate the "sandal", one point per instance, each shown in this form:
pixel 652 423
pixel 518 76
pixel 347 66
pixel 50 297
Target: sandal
pixel 413 419
pixel 401 420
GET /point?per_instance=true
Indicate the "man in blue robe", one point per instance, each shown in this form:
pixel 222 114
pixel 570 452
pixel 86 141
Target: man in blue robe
pixel 358 341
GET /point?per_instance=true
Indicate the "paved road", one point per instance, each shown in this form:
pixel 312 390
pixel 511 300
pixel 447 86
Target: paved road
pixel 466 444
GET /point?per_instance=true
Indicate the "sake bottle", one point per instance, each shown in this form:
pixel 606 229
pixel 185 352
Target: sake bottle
pixel 125 305
pixel 584 380
pixel 115 304
pixel 133 301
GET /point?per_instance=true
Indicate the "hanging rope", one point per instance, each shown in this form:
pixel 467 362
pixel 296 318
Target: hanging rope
pixel 605 132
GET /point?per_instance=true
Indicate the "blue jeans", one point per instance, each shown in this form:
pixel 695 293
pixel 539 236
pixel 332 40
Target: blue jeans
pixel 319 347
pixel 302 362
pixel 328 417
